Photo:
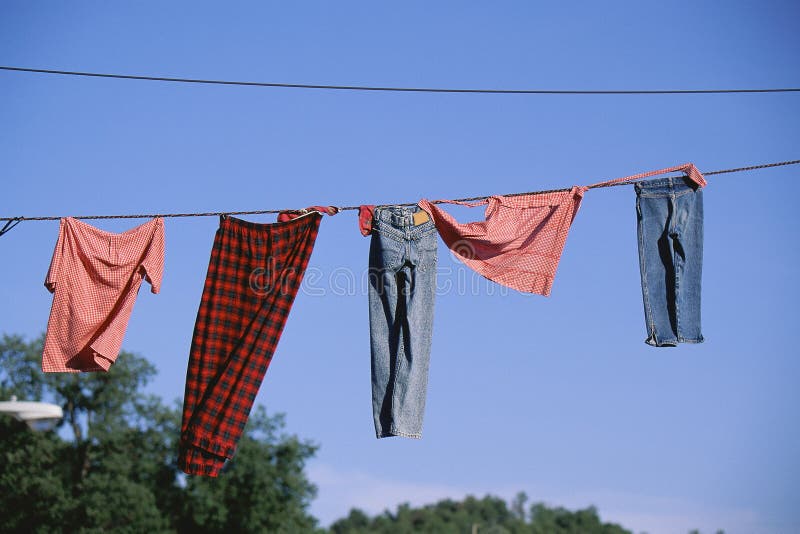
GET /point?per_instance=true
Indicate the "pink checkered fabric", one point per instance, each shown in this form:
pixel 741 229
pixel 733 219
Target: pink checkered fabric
pixel 95 276
pixel 687 168
pixel 519 244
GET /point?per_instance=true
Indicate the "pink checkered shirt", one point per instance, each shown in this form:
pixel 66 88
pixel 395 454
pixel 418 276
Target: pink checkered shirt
pixel 520 242
pixel 95 277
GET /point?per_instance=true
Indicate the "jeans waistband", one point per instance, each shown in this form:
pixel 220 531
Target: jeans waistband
pixel 398 216
pixel 665 186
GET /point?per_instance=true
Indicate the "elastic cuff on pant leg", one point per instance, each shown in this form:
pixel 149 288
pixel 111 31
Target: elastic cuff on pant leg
pixel 194 461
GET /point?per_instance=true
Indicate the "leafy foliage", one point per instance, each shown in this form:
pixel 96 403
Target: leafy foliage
pixel 489 515
pixel 110 465
pixel 118 470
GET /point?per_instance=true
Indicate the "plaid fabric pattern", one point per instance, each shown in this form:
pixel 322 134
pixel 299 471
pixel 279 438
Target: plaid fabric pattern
pixel 253 276
pixel 95 277
pixel 519 244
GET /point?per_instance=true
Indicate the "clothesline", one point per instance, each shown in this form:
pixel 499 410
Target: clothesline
pixel 255 272
pixel 13 221
pixel 401 89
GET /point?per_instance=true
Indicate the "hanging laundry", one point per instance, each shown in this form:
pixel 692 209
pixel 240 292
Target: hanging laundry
pixel 95 277
pixel 402 288
pixel 253 276
pixel 670 230
pixel 519 245
pixel 520 242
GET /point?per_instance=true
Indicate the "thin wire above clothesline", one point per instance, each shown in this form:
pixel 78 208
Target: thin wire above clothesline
pixel 13 221
pixel 403 89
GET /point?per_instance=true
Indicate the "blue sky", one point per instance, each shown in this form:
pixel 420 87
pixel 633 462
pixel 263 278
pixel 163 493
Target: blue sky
pixel 555 396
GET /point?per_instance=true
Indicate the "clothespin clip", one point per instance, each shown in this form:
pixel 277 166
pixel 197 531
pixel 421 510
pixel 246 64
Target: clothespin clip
pixel 11 223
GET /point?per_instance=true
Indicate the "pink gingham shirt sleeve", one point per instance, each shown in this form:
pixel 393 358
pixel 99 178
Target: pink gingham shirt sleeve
pixel 153 263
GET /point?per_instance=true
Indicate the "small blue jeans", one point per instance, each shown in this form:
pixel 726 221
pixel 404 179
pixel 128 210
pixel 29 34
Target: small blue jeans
pixel 670 230
pixel 402 287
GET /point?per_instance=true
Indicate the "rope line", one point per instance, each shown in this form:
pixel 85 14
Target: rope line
pixel 9 220
pixel 401 89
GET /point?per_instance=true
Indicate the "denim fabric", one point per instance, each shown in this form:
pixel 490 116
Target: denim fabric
pixel 670 229
pixel 402 287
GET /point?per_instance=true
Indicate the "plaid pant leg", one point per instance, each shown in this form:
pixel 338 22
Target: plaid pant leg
pixel 254 274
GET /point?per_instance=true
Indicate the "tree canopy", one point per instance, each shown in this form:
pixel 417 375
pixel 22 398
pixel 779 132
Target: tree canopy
pixel 489 515
pixel 110 464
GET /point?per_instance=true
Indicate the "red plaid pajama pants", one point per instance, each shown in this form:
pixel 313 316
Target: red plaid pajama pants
pixel 253 276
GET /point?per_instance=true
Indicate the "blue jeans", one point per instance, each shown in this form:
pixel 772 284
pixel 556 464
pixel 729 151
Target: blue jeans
pixel 670 229
pixel 402 287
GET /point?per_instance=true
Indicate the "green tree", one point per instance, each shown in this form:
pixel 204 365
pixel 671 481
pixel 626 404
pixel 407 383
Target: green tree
pixel 111 463
pixel 518 505
pixel 545 520
pixel 263 490
pixel 33 493
pixel 489 515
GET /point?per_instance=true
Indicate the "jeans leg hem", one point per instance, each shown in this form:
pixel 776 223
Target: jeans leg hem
pixel 653 342
pixel 672 342
pixel 397 433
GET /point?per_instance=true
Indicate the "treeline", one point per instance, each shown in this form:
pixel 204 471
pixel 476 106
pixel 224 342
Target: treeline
pixel 490 515
pixel 117 472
